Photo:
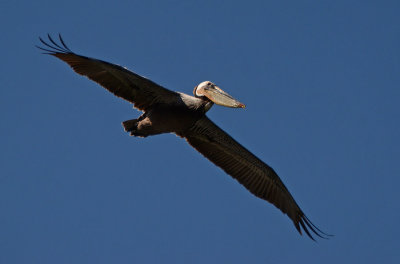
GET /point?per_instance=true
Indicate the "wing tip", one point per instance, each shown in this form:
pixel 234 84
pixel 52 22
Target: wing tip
pixel 308 227
pixel 51 47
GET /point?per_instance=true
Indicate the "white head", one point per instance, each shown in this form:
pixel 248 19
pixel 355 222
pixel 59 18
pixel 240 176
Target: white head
pixel 210 91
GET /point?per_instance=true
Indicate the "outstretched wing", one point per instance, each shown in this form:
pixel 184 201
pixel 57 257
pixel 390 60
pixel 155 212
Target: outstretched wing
pixel 259 178
pixel 142 92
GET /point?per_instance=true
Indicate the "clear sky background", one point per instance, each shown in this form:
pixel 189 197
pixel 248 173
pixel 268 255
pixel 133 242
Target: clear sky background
pixel 321 83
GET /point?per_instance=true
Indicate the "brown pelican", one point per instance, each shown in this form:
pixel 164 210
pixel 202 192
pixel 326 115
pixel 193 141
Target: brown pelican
pixel 165 111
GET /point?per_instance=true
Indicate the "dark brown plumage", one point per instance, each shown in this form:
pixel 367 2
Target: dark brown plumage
pixel 166 111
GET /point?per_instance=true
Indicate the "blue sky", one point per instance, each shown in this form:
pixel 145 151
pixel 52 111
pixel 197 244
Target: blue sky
pixel 320 80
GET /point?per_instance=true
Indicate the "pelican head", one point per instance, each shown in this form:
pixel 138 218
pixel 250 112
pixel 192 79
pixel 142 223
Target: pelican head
pixel 216 95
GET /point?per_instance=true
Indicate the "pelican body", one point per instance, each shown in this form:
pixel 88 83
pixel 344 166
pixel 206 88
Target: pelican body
pixel 181 112
pixel 166 111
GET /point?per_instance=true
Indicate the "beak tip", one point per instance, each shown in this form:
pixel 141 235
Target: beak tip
pixel 242 106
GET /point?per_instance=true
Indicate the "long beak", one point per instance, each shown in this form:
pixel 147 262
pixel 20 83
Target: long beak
pixel 218 96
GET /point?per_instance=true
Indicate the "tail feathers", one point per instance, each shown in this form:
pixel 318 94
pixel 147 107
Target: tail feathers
pixel 130 125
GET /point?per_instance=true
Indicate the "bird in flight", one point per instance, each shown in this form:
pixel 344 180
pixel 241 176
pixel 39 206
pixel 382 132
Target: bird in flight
pixel 166 111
